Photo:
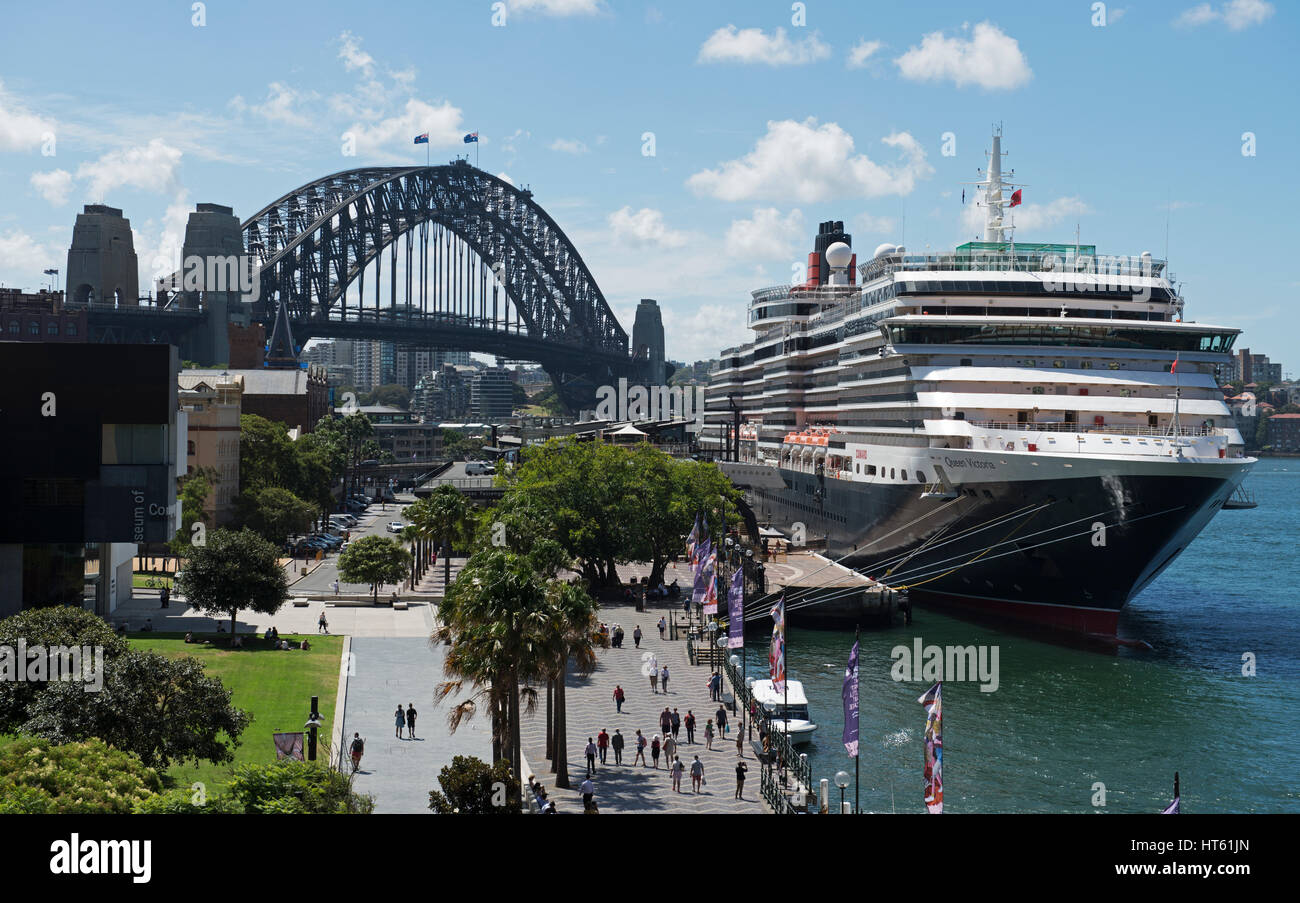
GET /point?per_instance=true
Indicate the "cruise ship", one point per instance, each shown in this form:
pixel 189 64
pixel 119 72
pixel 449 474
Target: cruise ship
pixel 1027 430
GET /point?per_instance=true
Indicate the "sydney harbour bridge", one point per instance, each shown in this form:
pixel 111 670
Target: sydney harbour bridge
pixel 447 257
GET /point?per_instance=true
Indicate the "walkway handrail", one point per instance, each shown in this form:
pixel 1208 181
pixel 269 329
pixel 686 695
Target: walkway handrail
pixel 782 749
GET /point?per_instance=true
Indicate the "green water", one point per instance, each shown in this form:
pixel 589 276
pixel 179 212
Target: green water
pixel 1064 719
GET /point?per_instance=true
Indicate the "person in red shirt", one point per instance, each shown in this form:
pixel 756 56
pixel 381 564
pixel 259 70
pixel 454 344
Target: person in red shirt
pixel 602 744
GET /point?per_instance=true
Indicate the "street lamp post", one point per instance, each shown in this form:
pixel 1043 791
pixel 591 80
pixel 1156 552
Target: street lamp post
pixel 313 723
pixel 749 685
pixel 735 663
pixel 842 782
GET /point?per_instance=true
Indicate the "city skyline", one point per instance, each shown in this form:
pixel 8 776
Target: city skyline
pixel 697 167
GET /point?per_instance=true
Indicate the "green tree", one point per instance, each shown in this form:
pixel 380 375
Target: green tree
pixel 290 787
pixel 391 394
pixel 42 778
pixel 490 620
pixel 472 787
pixel 161 709
pixel 274 513
pixel 59 625
pixel 234 571
pixel 375 560
pixel 445 517
pixel 266 455
pixel 192 490
pixel 568 633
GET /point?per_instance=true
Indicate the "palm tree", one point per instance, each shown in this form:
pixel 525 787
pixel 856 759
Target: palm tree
pixel 568 632
pixel 449 518
pixel 491 620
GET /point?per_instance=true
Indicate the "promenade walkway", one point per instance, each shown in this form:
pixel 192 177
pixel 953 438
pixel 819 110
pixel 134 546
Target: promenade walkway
pixel 628 788
pixel 400 773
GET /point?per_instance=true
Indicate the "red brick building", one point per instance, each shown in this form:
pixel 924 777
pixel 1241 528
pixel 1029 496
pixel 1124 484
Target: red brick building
pixel 39 317
pixel 1283 432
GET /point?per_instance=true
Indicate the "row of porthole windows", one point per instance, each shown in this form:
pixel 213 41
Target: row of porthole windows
pixel 34 328
pixel 870 471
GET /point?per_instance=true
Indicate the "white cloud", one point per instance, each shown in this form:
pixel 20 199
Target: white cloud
pixel 862 53
pixel 1026 216
pixel 505 177
pixel 353 56
pixel 753 45
pixel 149 168
pixel 644 227
pixel 443 123
pixel 767 235
pixel 1236 14
pixel 805 162
pixel 990 59
pixel 20 129
pixel 54 185
pixel 23 257
pixel 158 244
pixel 558 8
pixel 568 146
pixel 282 105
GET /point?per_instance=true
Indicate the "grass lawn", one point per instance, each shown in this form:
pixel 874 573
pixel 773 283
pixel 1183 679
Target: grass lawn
pixel 275 686
pixel 147 581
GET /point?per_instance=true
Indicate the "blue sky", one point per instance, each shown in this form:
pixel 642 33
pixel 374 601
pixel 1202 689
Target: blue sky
pixel 762 127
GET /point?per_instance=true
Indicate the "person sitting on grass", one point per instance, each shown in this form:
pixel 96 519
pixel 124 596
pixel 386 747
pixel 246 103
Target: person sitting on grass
pixel 189 637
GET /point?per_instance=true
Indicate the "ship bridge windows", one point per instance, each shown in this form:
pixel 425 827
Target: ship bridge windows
pixel 1127 337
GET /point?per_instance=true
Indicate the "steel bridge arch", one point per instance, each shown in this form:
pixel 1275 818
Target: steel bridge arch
pixel 313 242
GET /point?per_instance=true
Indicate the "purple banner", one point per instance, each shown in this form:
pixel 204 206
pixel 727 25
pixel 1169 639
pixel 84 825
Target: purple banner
pixel 736 610
pixel 850 694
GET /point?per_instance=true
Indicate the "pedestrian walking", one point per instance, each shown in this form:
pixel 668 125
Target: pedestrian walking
pixel 677 723
pixel 410 720
pixel 654 678
pixel 654 750
pixel 690 726
pixel 636 636
pixel 715 687
pixel 588 790
pixel 336 587
pixel 741 768
pixel 602 744
pixel 357 749
pixel 708 735
pixel 322 625
pixel 666 721
pixel 591 757
pixel 663 625
pixel 619 696
pixel 616 742
pixel 640 750
pixel 721 715
pixel 164 596
pixel 618 636
pixel 670 748
pixel 697 774
pixel 663 678
pixel 401 720
pixel 677 774
pixel 740 744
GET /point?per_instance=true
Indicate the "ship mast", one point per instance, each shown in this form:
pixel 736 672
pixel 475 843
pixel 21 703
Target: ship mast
pixel 997 196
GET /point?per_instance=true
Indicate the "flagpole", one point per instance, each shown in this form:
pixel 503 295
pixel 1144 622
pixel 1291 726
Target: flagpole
pixel 857 692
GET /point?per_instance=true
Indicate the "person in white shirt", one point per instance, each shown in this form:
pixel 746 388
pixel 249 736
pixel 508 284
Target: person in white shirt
pixel 588 795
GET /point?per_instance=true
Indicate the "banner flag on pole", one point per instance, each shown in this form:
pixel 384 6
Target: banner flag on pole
pixel 850 696
pixel 933 702
pixel 711 584
pixel 699 590
pixel 736 610
pixel 422 139
pixel 471 138
pixel 776 652
pixel 693 539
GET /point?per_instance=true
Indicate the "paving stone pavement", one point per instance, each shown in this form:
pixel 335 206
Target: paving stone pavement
pixel 591 707
pixel 400 773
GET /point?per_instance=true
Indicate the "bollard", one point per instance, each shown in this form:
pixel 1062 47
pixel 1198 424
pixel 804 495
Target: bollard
pixel 847 808
pixel 825 796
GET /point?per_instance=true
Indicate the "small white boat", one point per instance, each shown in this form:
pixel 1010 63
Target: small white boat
pixel 787 710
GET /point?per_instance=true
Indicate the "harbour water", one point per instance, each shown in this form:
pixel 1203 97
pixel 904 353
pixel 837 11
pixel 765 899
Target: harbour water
pixel 1065 719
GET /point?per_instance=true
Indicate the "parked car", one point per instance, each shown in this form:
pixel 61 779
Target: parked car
pixel 479 468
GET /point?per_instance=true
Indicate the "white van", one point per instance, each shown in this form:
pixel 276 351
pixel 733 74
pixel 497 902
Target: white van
pixel 478 468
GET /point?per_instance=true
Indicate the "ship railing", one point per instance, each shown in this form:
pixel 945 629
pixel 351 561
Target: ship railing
pixel 1117 429
pixel 778 784
pixel 1033 262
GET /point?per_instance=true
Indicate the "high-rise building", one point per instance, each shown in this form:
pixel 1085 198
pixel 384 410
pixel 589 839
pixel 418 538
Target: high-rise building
pixel 491 395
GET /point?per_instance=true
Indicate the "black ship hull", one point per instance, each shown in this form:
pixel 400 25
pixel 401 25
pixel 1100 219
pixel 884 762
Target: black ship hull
pixel 1066 553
